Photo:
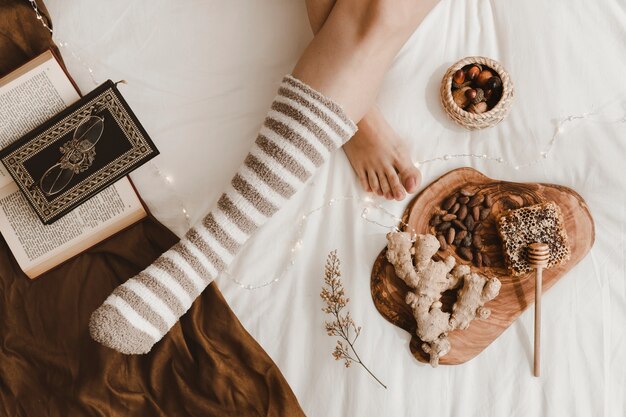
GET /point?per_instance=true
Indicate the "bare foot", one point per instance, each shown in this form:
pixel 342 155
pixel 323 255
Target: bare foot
pixel 380 159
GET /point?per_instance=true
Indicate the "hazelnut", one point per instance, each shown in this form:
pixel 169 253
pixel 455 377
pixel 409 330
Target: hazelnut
pixel 473 72
pixel 460 98
pixel 493 83
pixel 483 77
pixel 478 108
pixel 470 94
pixel 458 78
pixel 480 96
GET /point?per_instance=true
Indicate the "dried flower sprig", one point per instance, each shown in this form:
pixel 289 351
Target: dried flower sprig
pixel 342 325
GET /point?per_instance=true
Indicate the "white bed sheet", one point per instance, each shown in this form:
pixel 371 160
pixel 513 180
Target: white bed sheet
pixel 201 76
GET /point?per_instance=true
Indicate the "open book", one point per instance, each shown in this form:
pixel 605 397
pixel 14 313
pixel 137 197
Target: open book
pixel 29 96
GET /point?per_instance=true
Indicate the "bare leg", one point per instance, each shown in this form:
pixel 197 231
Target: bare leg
pixel 377 154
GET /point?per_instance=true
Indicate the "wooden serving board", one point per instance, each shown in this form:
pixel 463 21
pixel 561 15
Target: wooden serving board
pixel 517 293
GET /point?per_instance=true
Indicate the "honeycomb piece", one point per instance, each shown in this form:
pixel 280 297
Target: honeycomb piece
pixel 539 223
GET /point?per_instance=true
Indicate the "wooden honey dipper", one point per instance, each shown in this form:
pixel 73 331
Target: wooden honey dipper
pixel 538 256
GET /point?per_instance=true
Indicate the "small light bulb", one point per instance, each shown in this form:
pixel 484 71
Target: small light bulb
pixel 446 157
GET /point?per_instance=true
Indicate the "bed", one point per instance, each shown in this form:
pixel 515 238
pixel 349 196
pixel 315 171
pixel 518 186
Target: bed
pixel 201 75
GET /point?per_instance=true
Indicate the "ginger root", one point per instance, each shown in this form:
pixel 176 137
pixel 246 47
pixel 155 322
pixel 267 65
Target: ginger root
pixel 471 298
pixel 428 280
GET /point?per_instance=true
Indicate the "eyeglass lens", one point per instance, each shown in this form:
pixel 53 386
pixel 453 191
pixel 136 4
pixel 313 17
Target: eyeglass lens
pixel 86 135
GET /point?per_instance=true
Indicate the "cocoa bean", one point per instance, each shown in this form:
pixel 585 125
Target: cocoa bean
pixel 477 227
pixel 466 192
pixel 455 208
pixel 462 212
pixel 476 213
pixel 443 245
pixel 435 221
pixel 465 253
pixel 510 204
pixel 448 217
pixel 477 241
pixel 478 259
pixel 467 241
pixel 476 200
pixel 459 225
pixel 457 242
pixel 450 236
pixel 484 213
pixel 486 260
pixel 444 226
pixel 470 223
pixel 463 200
pixel 461 234
pixel 448 203
pixel 488 201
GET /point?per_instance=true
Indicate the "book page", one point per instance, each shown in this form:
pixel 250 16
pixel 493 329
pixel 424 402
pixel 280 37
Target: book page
pixel 38 247
pixel 31 99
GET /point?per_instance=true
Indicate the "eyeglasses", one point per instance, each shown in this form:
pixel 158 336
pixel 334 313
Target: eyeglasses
pixel 78 155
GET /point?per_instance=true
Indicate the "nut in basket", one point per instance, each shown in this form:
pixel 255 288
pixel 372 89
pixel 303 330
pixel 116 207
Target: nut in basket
pixel 476 92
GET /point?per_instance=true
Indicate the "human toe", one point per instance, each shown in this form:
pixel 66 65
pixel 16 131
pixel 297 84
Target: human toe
pixel 384 186
pixel 372 179
pixel 363 180
pixel 396 186
pixel 410 177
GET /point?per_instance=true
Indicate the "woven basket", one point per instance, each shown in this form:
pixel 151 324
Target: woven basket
pixel 489 118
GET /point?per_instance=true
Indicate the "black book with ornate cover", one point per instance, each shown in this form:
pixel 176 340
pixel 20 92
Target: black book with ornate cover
pixel 78 153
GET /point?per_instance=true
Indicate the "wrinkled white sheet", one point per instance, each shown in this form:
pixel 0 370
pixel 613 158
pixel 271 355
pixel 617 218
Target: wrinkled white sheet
pixel 201 76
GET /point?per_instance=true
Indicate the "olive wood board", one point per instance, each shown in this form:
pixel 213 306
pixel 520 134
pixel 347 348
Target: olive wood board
pixel 516 294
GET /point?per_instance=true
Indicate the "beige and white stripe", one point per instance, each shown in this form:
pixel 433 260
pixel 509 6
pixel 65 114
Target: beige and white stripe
pixel 299 133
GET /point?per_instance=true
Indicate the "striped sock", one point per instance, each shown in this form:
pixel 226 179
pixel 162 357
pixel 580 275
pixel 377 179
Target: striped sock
pixel 301 130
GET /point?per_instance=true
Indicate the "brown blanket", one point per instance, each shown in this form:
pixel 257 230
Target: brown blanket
pixel 207 365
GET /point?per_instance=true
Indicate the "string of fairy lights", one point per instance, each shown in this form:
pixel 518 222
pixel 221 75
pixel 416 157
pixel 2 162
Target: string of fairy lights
pixel 367 203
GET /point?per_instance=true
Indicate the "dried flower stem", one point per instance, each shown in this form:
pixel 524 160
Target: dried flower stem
pixel 342 326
